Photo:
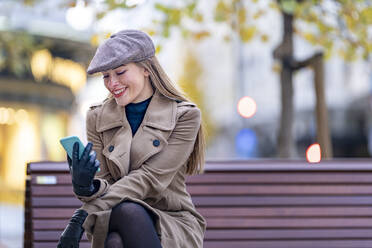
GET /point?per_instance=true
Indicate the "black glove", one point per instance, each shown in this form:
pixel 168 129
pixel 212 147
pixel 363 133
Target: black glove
pixel 73 232
pixel 83 170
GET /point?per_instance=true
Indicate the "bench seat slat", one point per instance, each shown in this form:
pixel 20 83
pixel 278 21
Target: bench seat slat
pixel 228 223
pixel 250 234
pixel 289 222
pixel 232 190
pixel 42 213
pixel 326 243
pixel 223 201
pixel 247 234
pixel 54 244
pixel 254 178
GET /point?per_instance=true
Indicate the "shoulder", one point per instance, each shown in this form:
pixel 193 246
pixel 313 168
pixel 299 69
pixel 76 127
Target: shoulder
pixel 93 111
pixel 188 110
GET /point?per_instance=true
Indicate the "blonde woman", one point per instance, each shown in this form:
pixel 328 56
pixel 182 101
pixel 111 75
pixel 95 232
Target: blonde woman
pixel 145 137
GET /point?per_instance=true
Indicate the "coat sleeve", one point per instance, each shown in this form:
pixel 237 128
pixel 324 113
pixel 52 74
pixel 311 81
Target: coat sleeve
pixel 158 171
pixel 103 178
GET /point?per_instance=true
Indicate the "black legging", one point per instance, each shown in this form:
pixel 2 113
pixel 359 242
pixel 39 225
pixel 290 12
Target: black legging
pixel 131 226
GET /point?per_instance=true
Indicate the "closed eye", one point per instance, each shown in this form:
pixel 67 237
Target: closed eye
pixel 120 73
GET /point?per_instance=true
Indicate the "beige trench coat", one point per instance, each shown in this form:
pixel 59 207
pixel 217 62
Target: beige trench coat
pixel 148 168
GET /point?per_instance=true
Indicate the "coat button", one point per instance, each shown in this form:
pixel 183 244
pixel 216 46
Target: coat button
pixel 111 148
pixel 156 142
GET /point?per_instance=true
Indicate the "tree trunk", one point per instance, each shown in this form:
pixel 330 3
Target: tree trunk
pixel 286 143
pixel 323 135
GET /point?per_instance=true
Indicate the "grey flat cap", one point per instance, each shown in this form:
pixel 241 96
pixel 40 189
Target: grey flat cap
pixel 121 48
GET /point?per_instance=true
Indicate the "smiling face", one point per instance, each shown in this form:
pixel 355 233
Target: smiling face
pixel 128 83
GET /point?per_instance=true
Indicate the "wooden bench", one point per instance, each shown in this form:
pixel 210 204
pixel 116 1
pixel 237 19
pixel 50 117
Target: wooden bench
pixel 258 204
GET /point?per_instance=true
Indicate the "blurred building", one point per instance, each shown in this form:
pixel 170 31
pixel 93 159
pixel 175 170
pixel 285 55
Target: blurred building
pixel 41 72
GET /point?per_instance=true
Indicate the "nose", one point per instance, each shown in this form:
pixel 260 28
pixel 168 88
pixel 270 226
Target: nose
pixel 113 82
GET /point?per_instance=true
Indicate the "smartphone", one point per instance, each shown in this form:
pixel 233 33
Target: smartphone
pixel 68 144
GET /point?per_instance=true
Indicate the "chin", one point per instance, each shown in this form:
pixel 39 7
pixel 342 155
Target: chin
pixel 121 102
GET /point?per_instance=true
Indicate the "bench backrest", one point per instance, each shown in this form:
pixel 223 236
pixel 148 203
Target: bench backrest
pixel 260 204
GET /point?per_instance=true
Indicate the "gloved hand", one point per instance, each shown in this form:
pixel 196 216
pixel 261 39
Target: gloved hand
pixel 83 170
pixel 73 232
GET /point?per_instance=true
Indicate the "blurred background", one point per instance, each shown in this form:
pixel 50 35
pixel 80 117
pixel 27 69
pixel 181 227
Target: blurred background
pixel 272 77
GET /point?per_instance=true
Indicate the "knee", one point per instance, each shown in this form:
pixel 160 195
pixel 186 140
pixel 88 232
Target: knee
pixel 113 240
pixel 128 209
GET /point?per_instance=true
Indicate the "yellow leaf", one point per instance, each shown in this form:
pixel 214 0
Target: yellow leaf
pixel 107 35
pixel 158 49
pixel 242 15
pixel 222 11
pixel 199 17
pixel 247 33
pixel 367 14
pixel 94 40
pixel 310 38
pixel 150 32
pixel 288 6
pixel 264 38
pixel 277 67
pixel 258 14
pixel 227 38
pixel 201 35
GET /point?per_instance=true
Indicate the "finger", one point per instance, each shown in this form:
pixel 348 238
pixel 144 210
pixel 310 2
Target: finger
pixel 68 160
pixel 92 157
pixel 96 165
pixel 75 153
pixel 86 152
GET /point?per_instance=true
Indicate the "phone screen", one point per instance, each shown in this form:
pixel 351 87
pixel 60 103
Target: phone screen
pixel 68 144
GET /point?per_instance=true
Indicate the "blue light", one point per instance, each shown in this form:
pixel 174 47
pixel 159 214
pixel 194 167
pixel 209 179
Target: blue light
pixel 246 143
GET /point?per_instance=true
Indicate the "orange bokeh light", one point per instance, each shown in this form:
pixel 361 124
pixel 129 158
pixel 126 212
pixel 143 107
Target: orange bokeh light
pixel 247 107
pixel 314 153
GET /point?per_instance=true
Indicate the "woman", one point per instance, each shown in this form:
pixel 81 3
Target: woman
pixel 145 137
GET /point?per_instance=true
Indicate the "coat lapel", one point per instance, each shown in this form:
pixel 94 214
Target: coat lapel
pixel 130 152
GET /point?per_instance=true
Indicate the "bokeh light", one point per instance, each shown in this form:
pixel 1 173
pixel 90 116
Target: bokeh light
pixel 314 153
pixel 247 107
pixel 246 143
pixel 80 17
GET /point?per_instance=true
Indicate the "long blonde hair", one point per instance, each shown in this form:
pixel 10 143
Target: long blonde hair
pixel 161 81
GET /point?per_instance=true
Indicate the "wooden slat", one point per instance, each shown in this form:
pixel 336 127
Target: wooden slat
pixel 43 236
pixel 42 213
pixel 277 189
pixel 266 234
pixel 347 243
pixel 281 201
pixel 50 224
pixel 246 165
pixel 285 211
pixel 238 201
pixel 60 190
pixel 52 190
pixel 229 223
pixel 62 179
pixel 256 178
pixel 54 213
pixel 288 177
pixel 56 201
pixel 54 244
pixel 289 223
pixel 289 165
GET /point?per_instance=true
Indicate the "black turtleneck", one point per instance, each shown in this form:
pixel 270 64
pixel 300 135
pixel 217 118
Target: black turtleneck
pixel 135 113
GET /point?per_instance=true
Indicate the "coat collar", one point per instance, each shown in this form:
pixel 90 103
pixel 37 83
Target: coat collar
pixel 160 114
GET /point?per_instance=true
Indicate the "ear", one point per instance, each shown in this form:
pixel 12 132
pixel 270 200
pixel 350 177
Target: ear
pixel 146 72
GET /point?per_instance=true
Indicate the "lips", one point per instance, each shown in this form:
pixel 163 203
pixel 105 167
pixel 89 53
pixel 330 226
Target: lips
pixel 119 92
